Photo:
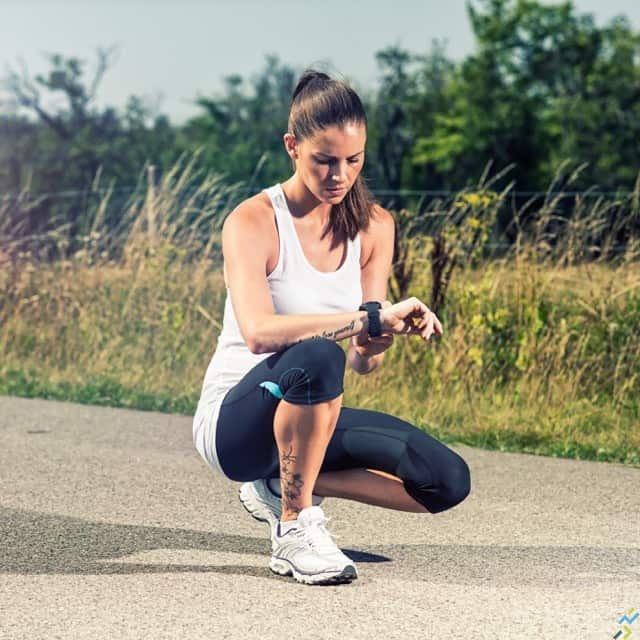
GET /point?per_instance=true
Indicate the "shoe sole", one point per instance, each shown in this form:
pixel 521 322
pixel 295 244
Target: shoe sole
pixel 284 568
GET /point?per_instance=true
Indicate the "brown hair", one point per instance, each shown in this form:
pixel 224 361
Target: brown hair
pixel 319 102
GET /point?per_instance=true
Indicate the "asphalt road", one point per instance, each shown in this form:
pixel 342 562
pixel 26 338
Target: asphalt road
pixel 111 526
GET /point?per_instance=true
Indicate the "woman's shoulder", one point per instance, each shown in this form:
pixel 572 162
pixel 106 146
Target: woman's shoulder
pixel 248 229
pixel 380 216
pixel 253 209
pixel 381 230
pixel 381 222
pixel 253 205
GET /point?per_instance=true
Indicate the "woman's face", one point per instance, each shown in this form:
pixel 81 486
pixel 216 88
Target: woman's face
pixel 329 162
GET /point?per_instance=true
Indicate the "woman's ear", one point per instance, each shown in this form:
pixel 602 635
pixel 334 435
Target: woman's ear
pixel 291 145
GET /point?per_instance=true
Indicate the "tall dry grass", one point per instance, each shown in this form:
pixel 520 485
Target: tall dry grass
pixel 541 350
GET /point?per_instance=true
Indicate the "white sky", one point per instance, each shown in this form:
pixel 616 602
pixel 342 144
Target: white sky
pixel 173 51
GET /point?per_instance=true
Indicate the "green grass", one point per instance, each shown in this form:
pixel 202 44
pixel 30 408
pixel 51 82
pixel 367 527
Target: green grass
pixel 505 376
pixel 96 390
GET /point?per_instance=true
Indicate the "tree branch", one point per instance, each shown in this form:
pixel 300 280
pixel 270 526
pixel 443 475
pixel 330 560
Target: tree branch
pixel 28 96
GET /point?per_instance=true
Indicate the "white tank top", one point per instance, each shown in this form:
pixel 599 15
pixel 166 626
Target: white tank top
pixel 296 287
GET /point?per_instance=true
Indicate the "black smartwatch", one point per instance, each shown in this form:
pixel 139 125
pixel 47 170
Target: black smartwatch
pixel 373 314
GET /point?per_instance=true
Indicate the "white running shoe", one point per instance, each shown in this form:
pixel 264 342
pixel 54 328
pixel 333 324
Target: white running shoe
pixel 308 552
pixel 264 505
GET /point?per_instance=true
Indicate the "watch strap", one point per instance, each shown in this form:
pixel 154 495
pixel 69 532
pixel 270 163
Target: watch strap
pixel 373 314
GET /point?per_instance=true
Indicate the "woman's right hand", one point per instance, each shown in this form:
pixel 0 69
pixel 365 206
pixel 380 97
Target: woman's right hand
pixel 410 316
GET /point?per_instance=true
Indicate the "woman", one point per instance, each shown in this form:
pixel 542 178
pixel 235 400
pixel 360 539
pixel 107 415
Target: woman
pixel 306 265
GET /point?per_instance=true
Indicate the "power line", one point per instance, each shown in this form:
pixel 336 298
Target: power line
pixel 71 193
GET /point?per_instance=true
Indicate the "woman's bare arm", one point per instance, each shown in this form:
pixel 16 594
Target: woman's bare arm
pixel 277 332
pixel 245 247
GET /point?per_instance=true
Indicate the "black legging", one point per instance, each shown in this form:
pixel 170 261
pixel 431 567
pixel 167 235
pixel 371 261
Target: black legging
pixel 310 372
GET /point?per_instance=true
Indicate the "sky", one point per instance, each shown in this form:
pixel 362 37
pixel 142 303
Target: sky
pixel 170 52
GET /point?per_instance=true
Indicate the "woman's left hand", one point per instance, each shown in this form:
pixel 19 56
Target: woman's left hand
pixel 373 345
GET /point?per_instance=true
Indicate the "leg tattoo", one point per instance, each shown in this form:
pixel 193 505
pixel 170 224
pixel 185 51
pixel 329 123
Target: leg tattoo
pixel 291 482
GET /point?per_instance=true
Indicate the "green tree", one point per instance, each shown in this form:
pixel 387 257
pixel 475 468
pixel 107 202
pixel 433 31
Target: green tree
pixel 65 147
pixel 241 129
pixel 76 138
pixel 432 98
pixel 593 112
pixel 392 132
pixel 544 85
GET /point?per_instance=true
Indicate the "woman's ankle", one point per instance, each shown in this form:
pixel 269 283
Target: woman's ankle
pixel 274 486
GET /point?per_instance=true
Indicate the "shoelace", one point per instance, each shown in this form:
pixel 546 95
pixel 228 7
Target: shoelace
pixel 319 537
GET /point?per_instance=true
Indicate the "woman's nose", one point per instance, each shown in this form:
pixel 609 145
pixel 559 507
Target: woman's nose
pixel 339 172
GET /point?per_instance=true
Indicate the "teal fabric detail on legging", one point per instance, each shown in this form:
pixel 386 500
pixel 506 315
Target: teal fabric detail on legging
pixel 273 388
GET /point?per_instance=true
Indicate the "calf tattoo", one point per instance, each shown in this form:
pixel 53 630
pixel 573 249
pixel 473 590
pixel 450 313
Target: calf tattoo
pixel 291 482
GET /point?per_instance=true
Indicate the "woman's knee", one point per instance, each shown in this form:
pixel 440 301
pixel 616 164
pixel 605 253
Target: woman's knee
pixel 451 486
pixel 318 374
pixel 456 484
pixel 319 353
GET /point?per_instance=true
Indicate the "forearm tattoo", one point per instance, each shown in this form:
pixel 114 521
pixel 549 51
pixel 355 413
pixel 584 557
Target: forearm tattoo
pixel 331 335
pixel 291 482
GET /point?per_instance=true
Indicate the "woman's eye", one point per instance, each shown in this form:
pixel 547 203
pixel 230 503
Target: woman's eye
pixel 350 161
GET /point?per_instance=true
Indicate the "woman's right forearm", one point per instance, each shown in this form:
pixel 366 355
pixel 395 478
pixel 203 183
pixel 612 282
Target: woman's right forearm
pixel 277 332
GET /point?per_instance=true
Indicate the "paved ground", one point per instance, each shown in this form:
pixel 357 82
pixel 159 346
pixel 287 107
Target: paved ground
pixel 111 526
